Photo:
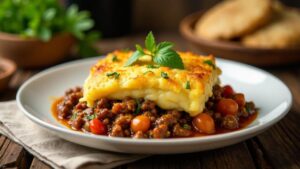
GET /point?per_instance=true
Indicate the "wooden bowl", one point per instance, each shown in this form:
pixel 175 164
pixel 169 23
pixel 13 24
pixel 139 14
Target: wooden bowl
pixel 235 50
pixel 33 53
pixel 7 69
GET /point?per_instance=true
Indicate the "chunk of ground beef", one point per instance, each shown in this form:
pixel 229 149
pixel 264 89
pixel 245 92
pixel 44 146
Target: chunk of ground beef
pixel 230 122
pixel 117 115
pixel 178 131
pixel 124 120
pixel 127 106
pixel 161 131
pixel 148 105
pixel 117 131
pixel 167 119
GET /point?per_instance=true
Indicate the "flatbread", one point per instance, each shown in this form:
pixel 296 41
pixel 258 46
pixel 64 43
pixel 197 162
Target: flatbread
pixel 233 18
pixel 282 32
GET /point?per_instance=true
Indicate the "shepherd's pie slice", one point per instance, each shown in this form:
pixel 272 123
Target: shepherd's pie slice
pixel 185 90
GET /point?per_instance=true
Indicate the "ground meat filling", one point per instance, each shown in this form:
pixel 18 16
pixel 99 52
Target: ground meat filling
pixel 139 118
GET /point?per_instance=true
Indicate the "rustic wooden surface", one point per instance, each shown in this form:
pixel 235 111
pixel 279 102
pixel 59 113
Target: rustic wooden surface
pixel 278 147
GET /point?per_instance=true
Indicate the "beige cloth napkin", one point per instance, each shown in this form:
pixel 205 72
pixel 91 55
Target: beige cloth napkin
pixel 52 150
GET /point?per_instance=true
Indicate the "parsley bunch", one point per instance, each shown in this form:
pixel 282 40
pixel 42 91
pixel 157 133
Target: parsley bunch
pixel 43 19
pixel 161 53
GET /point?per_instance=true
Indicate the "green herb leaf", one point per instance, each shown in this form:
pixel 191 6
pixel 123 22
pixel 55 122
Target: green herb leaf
pixel 169 58
pixel 164 75
pixel 134 57
pixel 188 85
pixel 248 107
pixel 114 58
pixel 152 66
pixel 91 117
pixel 74 116
pixel 210 63
pixel 187 127
pixel 49 14
pixel 84 25
pixel 150 42
pixel 138 107
pixel 162 54
pixel 165 45
pixel 85 45
pixel 114 74
pixel 45 34
pixel 43 19
pixel 139 48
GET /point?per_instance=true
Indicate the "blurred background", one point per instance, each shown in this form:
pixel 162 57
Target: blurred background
pixel 116 18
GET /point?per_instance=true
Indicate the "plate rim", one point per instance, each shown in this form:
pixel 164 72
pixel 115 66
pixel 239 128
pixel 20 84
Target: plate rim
pixel 205 139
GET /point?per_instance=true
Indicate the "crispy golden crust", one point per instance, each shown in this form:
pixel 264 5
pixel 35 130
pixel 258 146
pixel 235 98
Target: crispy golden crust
pixel 233 18
pixel 139 81
pixel 282 32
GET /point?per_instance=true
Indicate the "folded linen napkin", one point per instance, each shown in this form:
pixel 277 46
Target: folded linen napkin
pixel 52 150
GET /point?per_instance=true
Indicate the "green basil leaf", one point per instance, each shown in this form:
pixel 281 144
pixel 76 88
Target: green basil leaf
pixel 150 42
pixel 164 45
pixel 72 11
pixel 139 48
pixel 152 66
pixel 134 57
pixel 168 58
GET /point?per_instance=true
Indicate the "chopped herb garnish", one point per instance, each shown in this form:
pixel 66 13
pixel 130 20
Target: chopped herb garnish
pixel 114 58
pixel 248 108
pixel 161 54
pixel 152 66
pixel 210 63
pixel 187 127
pixel 91 117
pixel 148 71
pixel 114 74
pixel 74 115
pixel 138 106
pixel 188 85
pixel 164 75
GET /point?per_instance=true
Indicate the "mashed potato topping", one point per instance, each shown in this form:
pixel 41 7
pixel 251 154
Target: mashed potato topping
pixel 184 90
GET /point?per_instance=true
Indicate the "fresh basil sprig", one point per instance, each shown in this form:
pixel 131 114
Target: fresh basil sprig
pixel 161 54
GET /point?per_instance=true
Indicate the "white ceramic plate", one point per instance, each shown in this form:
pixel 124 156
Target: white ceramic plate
pixel 269 94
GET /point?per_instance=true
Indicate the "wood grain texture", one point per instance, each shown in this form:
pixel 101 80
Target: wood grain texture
pixel 10 153
pixel 258 155
pixel 37 164
pixel 224 158
pixel 281 143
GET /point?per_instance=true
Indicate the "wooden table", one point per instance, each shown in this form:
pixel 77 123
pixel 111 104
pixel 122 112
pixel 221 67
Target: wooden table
pixel 278 147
